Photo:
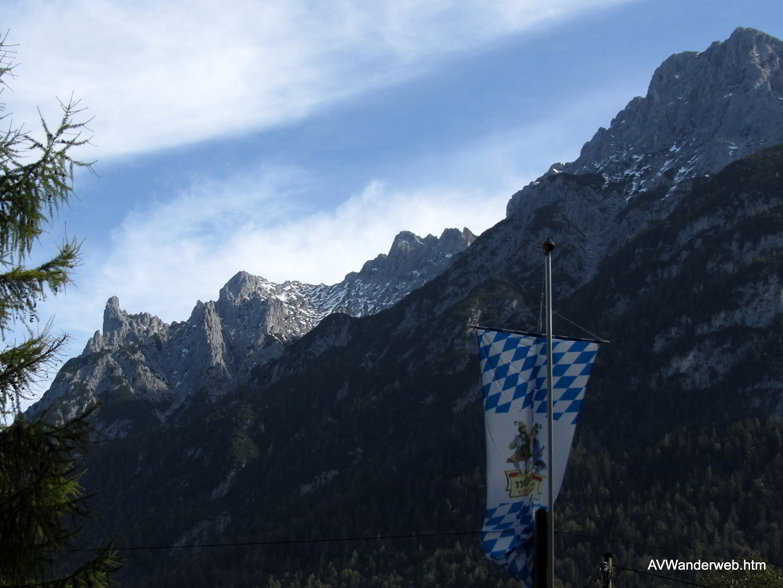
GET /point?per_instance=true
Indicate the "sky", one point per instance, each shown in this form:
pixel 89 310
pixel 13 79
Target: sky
pixel 293 139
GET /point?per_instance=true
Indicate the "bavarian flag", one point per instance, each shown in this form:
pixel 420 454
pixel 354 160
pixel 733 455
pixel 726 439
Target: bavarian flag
pixel 514 390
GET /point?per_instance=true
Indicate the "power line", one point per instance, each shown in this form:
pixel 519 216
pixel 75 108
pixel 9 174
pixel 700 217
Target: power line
pixel 378 537
pixel 273 542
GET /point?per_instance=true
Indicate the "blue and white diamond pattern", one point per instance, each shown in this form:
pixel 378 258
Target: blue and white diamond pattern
pixel 507 538
pixel 514 372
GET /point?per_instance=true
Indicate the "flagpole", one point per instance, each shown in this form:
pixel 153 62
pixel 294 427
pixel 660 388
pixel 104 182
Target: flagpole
pixel 548 247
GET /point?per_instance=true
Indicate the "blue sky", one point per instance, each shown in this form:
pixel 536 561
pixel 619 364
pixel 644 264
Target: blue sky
pixel 294 139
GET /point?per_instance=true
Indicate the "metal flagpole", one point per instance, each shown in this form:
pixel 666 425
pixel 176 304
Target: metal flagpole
pixel 548 247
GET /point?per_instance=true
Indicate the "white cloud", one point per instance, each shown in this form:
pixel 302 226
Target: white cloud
pixel 161 74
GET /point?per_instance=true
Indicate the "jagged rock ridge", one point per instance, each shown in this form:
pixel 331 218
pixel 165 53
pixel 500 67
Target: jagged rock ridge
pixel 248 326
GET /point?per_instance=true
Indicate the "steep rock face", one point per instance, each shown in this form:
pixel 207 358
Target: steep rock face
pixel 701 112
pixel 249 325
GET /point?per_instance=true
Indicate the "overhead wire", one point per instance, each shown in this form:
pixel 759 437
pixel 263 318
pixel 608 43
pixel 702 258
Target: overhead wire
pixel 269 542
pixel 379 537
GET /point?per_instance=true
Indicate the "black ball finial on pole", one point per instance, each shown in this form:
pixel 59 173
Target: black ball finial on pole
pixel 548 246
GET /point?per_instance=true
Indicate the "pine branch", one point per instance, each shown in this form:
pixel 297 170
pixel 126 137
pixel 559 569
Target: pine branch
pixel 21 288
pixel 30 193
pixel 19 365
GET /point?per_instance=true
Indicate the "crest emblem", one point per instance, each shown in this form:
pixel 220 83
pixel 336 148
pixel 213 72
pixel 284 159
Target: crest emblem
pixel 528 460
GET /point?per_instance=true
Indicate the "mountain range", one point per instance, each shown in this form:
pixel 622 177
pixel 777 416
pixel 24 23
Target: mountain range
pixel 282 418
pixel 250 324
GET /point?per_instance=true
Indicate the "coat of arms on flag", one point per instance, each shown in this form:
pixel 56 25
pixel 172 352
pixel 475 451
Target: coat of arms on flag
pixel 514 391
pixel 528 461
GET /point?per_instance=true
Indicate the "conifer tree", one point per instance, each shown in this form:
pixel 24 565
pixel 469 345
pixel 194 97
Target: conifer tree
pixel 40 495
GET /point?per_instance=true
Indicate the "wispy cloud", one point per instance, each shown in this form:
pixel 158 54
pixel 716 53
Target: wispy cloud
pixel 162 259
pixel 166 254
pixel 162 74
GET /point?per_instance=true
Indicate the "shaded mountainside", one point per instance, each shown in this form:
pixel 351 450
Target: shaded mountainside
pixel 680 442
pixel 372 426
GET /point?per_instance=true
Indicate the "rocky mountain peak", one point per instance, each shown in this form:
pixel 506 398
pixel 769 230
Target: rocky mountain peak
pixel 454 238
pixel 239 281
pixel 409 252
pixel 404 242
pixel 701 112
pixel 240 286
pixel 120 327
pixel 763 49
pixel 749 60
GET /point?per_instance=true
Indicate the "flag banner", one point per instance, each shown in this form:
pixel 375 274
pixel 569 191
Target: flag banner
pixel 514 390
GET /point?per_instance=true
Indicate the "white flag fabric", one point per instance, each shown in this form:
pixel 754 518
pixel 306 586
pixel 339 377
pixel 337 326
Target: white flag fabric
pixel 514 390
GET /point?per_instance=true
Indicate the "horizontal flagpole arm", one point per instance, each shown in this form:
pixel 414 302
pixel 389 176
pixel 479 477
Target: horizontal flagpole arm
pixel 537 334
